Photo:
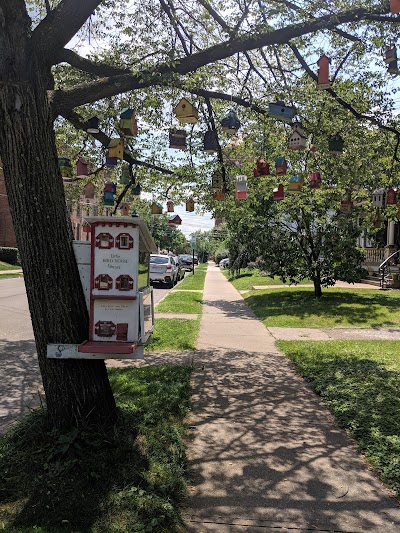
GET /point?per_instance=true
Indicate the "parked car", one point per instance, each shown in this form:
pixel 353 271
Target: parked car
pixel 163 269
pixel 181 270
pixel 195 260
pixel 186 261
pixel 224 263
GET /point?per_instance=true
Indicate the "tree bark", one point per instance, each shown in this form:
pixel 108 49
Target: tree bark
pixel 317 286
pixel 77 391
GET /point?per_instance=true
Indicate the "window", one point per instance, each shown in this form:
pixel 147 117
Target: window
pixel 124 241
pixel 124 283
pixel 103 282
pixel 104 240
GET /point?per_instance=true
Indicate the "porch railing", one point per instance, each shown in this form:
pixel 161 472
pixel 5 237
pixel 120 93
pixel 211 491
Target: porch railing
pixel 374 255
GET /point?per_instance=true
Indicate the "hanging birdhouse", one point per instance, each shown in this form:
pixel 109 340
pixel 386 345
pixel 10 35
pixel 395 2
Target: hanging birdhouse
pixel 230 123
pixel 378 198
pixel 170 206
pixel 65 166
pixel 346 206
pixel 175 219
pixel 89 191
pixel 261 168
pixel 314 180
pixel 190 205
pixel 186 113
pixel 279 192
pixel 125 176
pixel 109 193
pixel 393 67
pixel 177 139
pixel 136 190
pixel 297 140
pixel 217 181
pixel 323 72
pixel 82 167
pixel 281 112
pixel 336 144
pixel 156 208
pixel 295 184
pixel 390 54
pixel 92 125
pixel 210 142
pixel 241 187
pixel 218 195
pixel 391 196
pixel 116 148
pixel 124 209
pixel 128 123
pixel 377 222
pixel 111 162
pixel 281 166
pixel 394 7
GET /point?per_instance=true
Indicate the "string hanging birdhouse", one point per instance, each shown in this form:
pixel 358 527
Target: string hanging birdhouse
pixel 210 142
pixel 281 111
pixel 89 191
pixel 116 148
pixel 346 206
pixel 219 195
pixel 128 123
pixel 82 167
pixel 156 208
pixel 379 198
pixel 261 168
pixel 314 180
pixel 217 180
pixel 190 205
pixel 279 192
pixel 186 112
pixel 394 7
pixel 170 206
pixel 241 187
pixel 109 193
pixel 297 140
pixel 281 166
pixel 295 184
pixel 391 196
pixel 93 125
pixel 124 209
pixel 136 190
pixel 125 177
pixel 175 219
pixel 323 72
pixel 390 54
pixel 177 139
pixel 230 123
pixel 336 144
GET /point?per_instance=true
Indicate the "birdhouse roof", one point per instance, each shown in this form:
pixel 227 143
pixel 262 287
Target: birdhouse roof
pixel 295 179
pixel 156 204
pixel 126 113
pixel 115 142
pixel 323 58
pixel 175 218
pixel 185 103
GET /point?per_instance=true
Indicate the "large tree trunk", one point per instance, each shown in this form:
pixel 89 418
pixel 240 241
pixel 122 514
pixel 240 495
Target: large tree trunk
pixel 317 286
pixel 77 391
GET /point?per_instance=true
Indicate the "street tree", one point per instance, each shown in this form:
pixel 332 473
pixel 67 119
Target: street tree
pixel 147 56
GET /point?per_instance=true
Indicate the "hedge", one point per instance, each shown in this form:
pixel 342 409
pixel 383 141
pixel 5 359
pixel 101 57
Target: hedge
pixel 9 255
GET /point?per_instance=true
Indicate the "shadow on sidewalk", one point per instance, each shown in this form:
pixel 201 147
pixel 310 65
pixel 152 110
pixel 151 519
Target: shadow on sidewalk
pixel 265 451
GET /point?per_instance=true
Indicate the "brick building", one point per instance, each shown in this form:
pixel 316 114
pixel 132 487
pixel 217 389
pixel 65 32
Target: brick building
pixel 7 235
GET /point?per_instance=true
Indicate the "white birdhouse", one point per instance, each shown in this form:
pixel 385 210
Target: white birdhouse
pixel 378 198
pixel 297 140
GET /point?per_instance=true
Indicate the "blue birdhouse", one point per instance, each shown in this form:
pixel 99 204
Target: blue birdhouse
pixel 210 142
pixel 128 123
pixel 230 123
pixel 111 162
pixel 137 189
pixel 295 184
pixel 281 166
pixel 282 112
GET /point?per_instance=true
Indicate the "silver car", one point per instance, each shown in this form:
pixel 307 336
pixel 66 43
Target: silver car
pixel 163 269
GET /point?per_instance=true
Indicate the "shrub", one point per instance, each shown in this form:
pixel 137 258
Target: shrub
pixel 9 255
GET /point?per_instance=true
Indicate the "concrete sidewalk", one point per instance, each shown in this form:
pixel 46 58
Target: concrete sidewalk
pixel 264 452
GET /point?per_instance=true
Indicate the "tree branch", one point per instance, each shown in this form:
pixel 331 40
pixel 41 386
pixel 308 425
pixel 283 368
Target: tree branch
pixel 86 65
pixel 60 25
pixel 168 10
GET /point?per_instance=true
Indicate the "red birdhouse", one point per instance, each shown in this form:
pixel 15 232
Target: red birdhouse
pixel 323 72
pixel 314 180
pixel 261 168
pixel 82 167
pixel 394 6
pixel 279 192
pixel 391 197
pixel 175 219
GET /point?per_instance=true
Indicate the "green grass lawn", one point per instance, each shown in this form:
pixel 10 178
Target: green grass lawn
pixel 193 282
pixel 8 276
pixel 128 480
pixel 181 302
pixel 298 308
pixel 174 334
pixel 360 383
pixel 248 278
pixel 7 266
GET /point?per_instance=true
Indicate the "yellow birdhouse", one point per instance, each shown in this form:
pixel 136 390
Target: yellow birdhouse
pixel 116 148
pixel 128 123
pixel 190 205
pixel 186 113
